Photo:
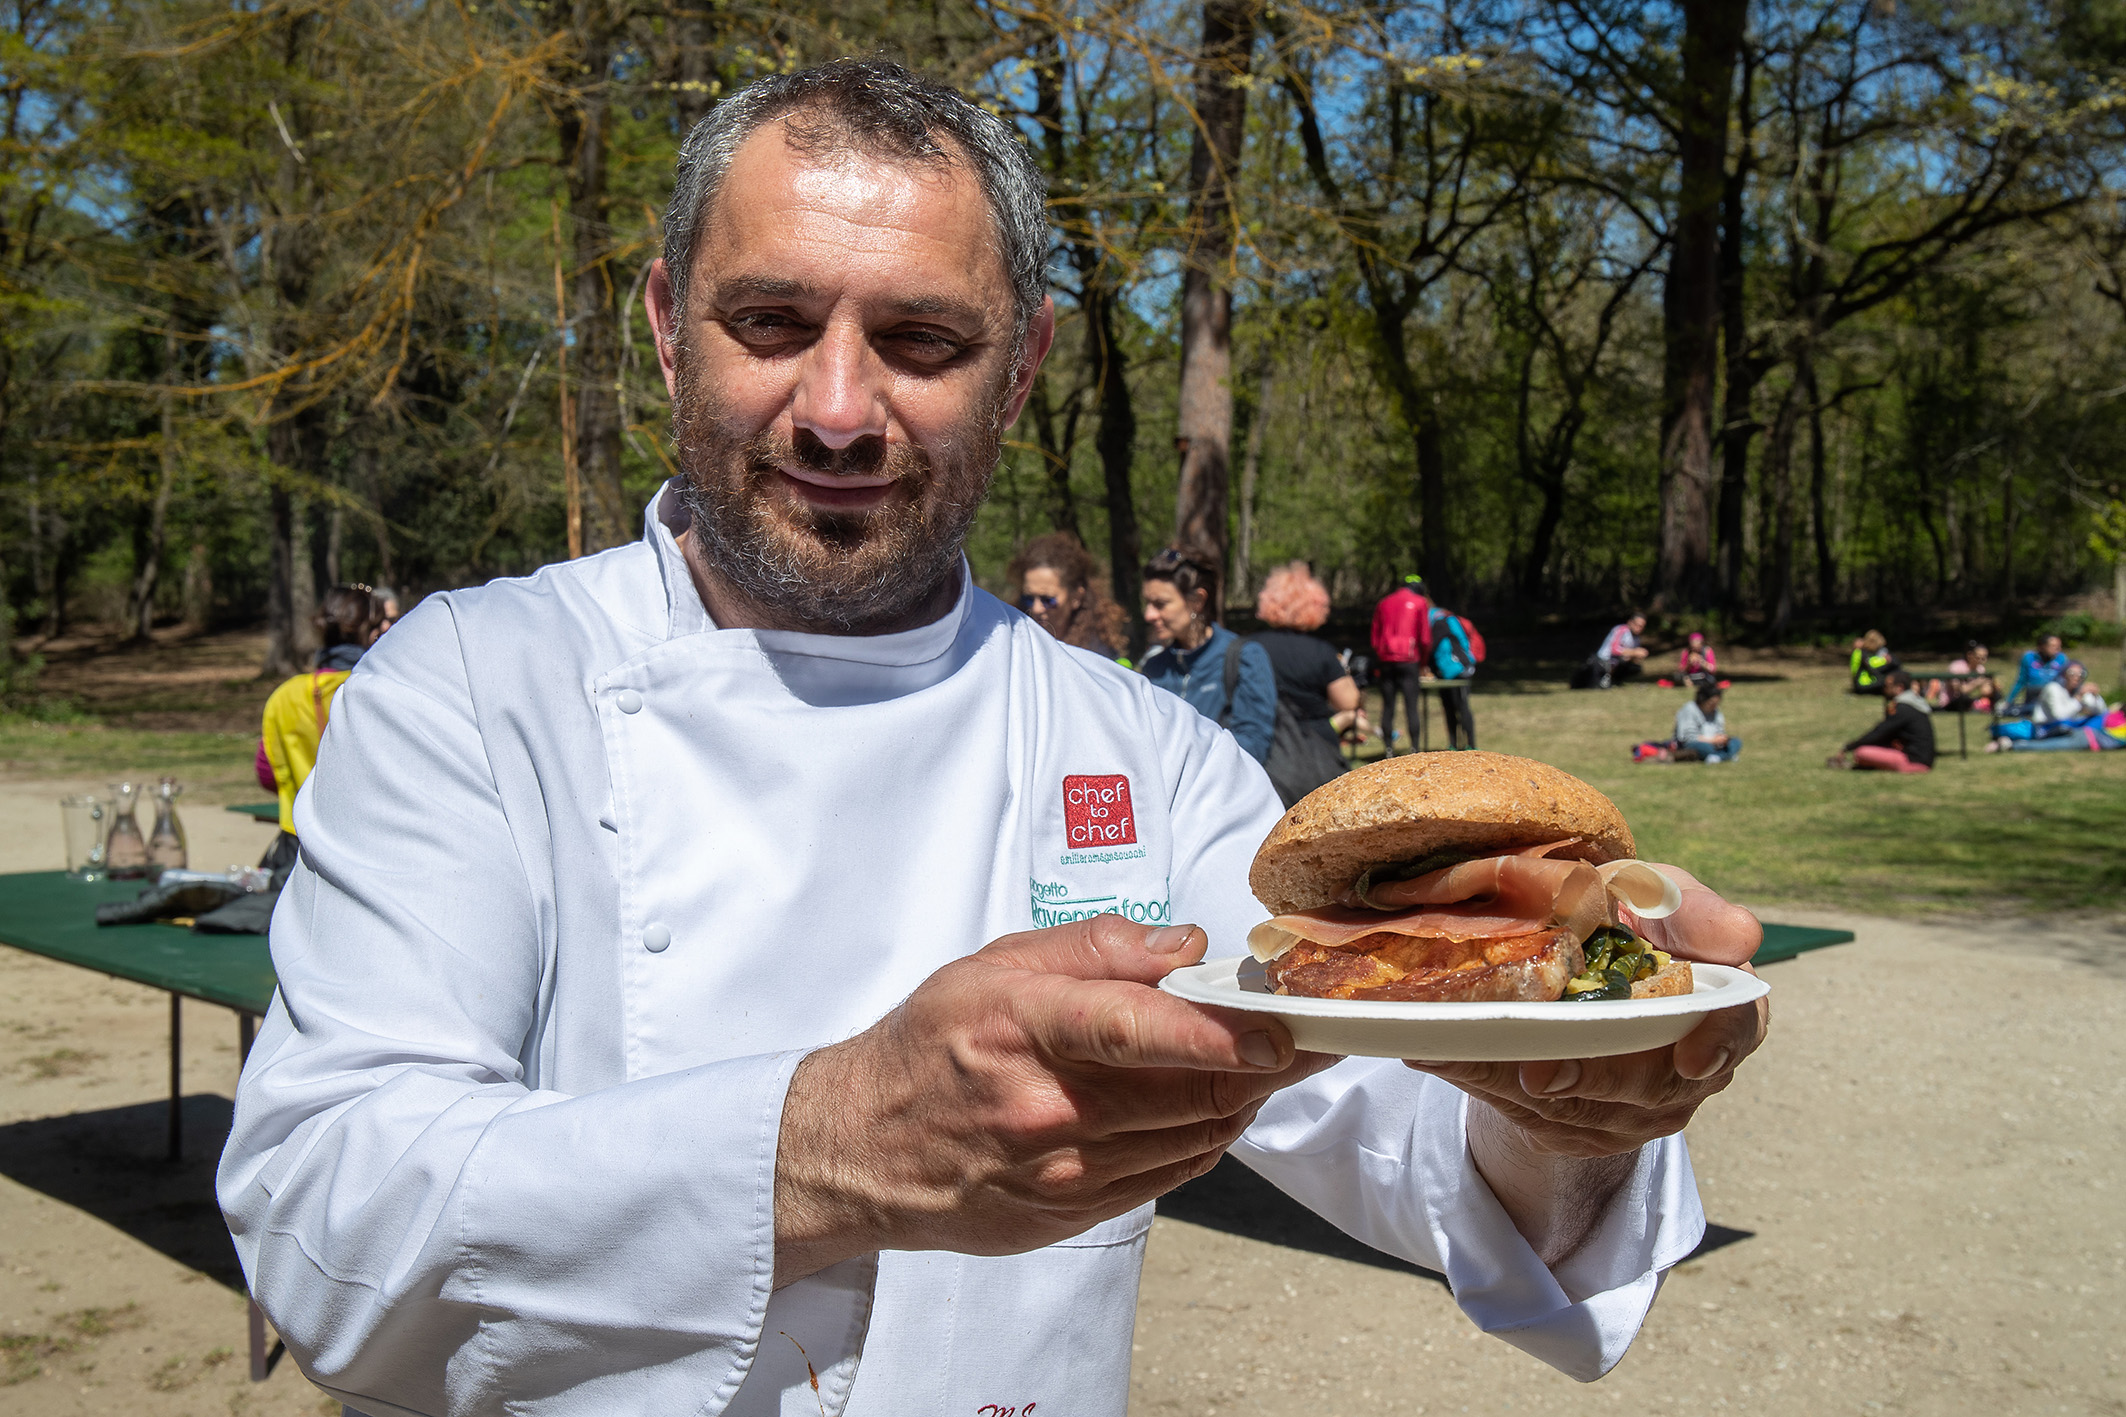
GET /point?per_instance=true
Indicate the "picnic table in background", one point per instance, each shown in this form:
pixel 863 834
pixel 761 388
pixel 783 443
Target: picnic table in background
pixel 45 913
pixel 260 811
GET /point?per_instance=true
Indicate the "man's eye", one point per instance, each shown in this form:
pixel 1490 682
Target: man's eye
pixel 927 346
pixel 763 328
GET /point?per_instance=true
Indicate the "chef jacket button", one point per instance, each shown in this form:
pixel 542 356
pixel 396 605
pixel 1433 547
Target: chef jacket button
pixel 628 701
pixel 656 938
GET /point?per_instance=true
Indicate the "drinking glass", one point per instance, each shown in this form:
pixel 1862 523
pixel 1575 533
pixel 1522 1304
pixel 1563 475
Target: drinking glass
pixel 84 817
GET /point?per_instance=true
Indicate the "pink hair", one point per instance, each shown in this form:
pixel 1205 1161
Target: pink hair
pixel 1292 599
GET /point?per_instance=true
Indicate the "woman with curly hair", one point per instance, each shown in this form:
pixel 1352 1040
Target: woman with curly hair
pixel 1059 588
pixel 1311 678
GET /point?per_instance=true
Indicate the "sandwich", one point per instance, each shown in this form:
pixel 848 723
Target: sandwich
pixel 1460 877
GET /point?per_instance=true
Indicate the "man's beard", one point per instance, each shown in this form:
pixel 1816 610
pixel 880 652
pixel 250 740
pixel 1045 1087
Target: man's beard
pixel 835 572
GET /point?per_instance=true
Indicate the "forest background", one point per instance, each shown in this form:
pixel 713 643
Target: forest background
pixel 1775 315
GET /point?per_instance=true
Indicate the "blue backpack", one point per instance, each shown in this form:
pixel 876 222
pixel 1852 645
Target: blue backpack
pixel 1452 656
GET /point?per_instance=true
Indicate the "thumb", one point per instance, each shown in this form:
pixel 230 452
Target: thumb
pixel 1103 947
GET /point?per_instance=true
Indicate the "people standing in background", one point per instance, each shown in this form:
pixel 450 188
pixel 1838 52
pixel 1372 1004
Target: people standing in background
pixel 389 599
pixel 1056 581
pixel 2039 667
pixel 1701 728
pixel 1871 663
pixel 1311 678
pixel 1402 640
pixel 1903 741
pixel 1227 680
pixel 1621 655
pixel 349 619
pixel 1454 664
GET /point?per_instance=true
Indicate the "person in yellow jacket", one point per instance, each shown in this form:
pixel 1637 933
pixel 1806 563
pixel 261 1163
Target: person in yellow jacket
pixel 350 618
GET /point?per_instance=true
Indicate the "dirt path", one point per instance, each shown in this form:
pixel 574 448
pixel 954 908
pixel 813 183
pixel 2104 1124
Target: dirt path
pixel 1919 1181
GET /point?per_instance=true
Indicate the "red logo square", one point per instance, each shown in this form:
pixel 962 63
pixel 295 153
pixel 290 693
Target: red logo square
pixel 1097 813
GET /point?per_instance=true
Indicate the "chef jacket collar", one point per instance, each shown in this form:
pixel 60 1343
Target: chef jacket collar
pixel 667 516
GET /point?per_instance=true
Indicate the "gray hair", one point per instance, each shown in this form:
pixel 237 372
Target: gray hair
pixel 879 110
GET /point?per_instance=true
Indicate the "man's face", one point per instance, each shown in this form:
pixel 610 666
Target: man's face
pixel 841 380
pixel 1637 624
pixel 2049 646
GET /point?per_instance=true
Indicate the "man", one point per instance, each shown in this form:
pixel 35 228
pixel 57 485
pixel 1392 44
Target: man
pixel 1402 641
pixel 1621 655
pixel 719 978
pixel 1903 741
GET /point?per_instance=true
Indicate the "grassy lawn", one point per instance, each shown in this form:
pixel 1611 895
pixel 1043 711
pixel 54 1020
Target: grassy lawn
pixel 2023 830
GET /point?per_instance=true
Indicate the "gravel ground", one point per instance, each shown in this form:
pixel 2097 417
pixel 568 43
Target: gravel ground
pixel 1917 1182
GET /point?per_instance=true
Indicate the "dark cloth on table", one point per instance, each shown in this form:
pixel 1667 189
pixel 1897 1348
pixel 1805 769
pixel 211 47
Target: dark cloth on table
pixel 1906 728
pixel 1305 668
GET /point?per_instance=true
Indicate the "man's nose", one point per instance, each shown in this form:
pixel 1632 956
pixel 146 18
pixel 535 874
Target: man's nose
pixel 841 389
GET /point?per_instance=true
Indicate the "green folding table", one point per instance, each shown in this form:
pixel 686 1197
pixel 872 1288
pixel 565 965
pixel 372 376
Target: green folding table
pixel 1786 941
pixel 44 913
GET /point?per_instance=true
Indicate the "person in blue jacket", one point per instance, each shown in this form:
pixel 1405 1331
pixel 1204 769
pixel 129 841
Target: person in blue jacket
pixel 1198 658
pixel 2039 667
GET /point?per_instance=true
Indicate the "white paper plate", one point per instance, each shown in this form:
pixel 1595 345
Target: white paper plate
pixel 1469 1033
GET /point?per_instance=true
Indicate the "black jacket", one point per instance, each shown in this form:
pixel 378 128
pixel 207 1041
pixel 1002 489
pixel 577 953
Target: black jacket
pixel 1906 728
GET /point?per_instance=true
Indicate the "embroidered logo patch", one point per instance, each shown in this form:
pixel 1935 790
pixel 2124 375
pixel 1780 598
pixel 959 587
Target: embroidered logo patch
pixel 1097 813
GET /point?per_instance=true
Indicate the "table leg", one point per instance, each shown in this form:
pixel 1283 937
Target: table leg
pixel 177 1117
pixel 261 1357
pixel 1962 749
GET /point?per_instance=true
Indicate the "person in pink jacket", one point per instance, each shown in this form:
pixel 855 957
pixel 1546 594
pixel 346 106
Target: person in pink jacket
pixel 1402 639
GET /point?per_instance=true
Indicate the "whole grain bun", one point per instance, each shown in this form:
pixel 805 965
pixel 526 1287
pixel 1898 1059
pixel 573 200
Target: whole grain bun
pixel 1399 809
pixel 1671 978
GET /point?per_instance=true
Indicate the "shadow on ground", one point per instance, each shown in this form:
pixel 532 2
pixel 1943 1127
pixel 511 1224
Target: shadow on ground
pixel 111 1164
pixel 1233 1199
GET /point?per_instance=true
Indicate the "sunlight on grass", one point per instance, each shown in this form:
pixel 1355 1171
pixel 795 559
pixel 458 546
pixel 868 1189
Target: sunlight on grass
pixel 30 748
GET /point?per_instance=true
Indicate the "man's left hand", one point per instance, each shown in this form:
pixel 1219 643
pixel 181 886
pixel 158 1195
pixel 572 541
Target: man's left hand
pixel 1584 1110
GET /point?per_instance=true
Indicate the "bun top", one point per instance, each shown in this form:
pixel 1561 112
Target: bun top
pixel 1408 808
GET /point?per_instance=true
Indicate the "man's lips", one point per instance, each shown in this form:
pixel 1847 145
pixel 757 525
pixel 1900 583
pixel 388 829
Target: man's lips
pixel 840 491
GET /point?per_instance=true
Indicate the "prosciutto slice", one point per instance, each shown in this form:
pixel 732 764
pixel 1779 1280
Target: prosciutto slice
pixel 1493 898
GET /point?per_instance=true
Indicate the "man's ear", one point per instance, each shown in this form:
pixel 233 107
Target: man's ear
pixel 1040 334
pixel 664 323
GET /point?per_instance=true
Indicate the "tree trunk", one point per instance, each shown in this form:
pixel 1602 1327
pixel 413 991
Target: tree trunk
pixel 1206 399
pixel 1778 588
pixel 1826 573
pixel 291 638
pixel 584 128
pixel 1712 36
pixel 1243 576
pixel 1117 445
pixel 365 462
pixel 1737 428
pixel 1055 459
pixel 147 572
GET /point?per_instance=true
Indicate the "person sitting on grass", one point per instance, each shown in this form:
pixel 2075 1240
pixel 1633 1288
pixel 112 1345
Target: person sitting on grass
pixel 1701 729
pixel 2063 705
pixel 1697 664
pixel 1871 662
pixel 2040 667
pixel 1970 683
pixel 1621 655
pixel 1902 742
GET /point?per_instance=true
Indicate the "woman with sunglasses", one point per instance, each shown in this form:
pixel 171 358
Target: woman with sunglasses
pixel 1228 679
pixel 1054 575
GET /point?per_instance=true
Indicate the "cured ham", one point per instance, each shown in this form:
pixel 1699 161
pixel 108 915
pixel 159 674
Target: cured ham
pixel 1420 970
pixel 1490 898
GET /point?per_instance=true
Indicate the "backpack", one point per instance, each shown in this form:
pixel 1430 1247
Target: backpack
pixel 1454 654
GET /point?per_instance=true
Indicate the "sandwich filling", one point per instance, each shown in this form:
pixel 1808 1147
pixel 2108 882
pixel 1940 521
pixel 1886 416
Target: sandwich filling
pixel 1523 926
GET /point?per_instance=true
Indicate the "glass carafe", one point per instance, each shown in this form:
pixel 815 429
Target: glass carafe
pixel 125 851
pixel 166 844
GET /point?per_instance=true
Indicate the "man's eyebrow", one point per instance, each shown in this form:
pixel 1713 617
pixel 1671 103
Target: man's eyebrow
pixel 761 288
pixel 937 305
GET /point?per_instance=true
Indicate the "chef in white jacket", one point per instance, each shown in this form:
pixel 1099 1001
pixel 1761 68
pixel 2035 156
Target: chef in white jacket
pixel 717 979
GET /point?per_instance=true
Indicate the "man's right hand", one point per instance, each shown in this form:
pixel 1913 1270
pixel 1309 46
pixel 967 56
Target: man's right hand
pixel 1019 1097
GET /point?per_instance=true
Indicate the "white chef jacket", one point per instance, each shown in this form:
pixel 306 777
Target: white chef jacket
pixel 584 877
